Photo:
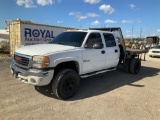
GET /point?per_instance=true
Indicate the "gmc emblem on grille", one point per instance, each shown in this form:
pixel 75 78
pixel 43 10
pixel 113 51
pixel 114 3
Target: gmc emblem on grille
pixel 18 59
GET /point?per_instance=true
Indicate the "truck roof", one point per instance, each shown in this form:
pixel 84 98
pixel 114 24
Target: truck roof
pixel 107 29
pixel 88 30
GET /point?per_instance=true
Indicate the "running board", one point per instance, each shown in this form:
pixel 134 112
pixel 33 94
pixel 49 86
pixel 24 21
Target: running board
pixel 96 73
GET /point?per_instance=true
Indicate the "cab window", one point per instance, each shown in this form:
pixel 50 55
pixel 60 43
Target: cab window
pixel 109 40
pixel 92 39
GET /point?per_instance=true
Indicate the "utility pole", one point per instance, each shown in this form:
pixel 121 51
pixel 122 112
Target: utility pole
pixel 132 34
pixel 141 33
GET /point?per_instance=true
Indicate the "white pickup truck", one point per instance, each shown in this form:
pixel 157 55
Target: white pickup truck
pixel 70 56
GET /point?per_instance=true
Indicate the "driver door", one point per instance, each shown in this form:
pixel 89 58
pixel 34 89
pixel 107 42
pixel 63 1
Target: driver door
pixel 93 59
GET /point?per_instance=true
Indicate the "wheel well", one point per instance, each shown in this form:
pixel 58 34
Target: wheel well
pixel 67 65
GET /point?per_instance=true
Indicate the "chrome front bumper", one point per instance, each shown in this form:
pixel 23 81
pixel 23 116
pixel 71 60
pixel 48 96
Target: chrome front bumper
pixel 32 76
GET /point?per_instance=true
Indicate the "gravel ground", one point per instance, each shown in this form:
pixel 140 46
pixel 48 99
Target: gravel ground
pixel 114 95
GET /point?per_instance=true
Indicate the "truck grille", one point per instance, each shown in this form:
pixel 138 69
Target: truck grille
pixel 155 51
pixel 21 60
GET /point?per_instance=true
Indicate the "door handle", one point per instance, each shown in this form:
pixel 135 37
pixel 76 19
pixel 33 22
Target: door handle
pixel 116 50
pixel 102 51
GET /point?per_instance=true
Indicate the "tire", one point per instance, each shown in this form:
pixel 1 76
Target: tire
pixel 127 66
pixel 121 57
pixel 135 66
pixel 65 84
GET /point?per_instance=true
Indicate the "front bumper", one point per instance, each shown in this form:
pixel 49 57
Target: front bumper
pixel 32 76
pixel 154 54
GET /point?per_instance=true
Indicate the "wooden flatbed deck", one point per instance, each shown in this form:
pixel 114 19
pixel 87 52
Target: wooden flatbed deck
pixel 137 52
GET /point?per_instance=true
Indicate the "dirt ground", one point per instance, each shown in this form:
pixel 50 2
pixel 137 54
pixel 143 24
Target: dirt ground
pixel 114 95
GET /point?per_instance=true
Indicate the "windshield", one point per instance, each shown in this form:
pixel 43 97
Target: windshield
pixel 70 38
pixel 157 47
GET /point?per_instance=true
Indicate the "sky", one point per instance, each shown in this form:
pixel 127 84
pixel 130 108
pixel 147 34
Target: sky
pixel 137 18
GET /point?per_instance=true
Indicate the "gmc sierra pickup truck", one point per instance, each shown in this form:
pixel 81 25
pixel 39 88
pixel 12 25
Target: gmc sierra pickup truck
pixel 70 56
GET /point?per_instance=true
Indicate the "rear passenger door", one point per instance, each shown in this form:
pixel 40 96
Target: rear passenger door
pixel 112 50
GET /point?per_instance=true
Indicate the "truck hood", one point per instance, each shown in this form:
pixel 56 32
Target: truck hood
pixel 42 49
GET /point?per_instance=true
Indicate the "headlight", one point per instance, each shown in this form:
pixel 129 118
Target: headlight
pixel 40 61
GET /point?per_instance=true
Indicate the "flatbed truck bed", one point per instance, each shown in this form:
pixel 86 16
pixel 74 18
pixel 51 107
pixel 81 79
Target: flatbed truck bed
pixel 137 52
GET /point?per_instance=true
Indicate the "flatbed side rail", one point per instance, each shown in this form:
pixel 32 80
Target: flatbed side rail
pixel 136 52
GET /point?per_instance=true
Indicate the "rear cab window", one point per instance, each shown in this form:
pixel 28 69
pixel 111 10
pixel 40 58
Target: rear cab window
pixel 109 40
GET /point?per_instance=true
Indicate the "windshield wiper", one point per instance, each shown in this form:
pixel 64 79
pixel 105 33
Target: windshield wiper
pixel 62 43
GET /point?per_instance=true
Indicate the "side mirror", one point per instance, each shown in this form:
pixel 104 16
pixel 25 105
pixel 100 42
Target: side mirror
pixel 98 45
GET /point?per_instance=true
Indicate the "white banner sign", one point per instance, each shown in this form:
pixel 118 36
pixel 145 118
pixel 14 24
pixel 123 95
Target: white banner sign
pixel 34 34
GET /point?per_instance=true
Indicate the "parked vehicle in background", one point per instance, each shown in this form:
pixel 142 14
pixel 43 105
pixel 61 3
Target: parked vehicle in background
pixel 155 51
pixel 151 41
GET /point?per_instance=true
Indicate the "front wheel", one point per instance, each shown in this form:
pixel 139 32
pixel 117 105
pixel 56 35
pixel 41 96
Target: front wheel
pixel 65 84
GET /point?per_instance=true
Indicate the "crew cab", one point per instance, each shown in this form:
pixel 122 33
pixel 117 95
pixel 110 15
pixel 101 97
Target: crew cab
pixel 70 56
